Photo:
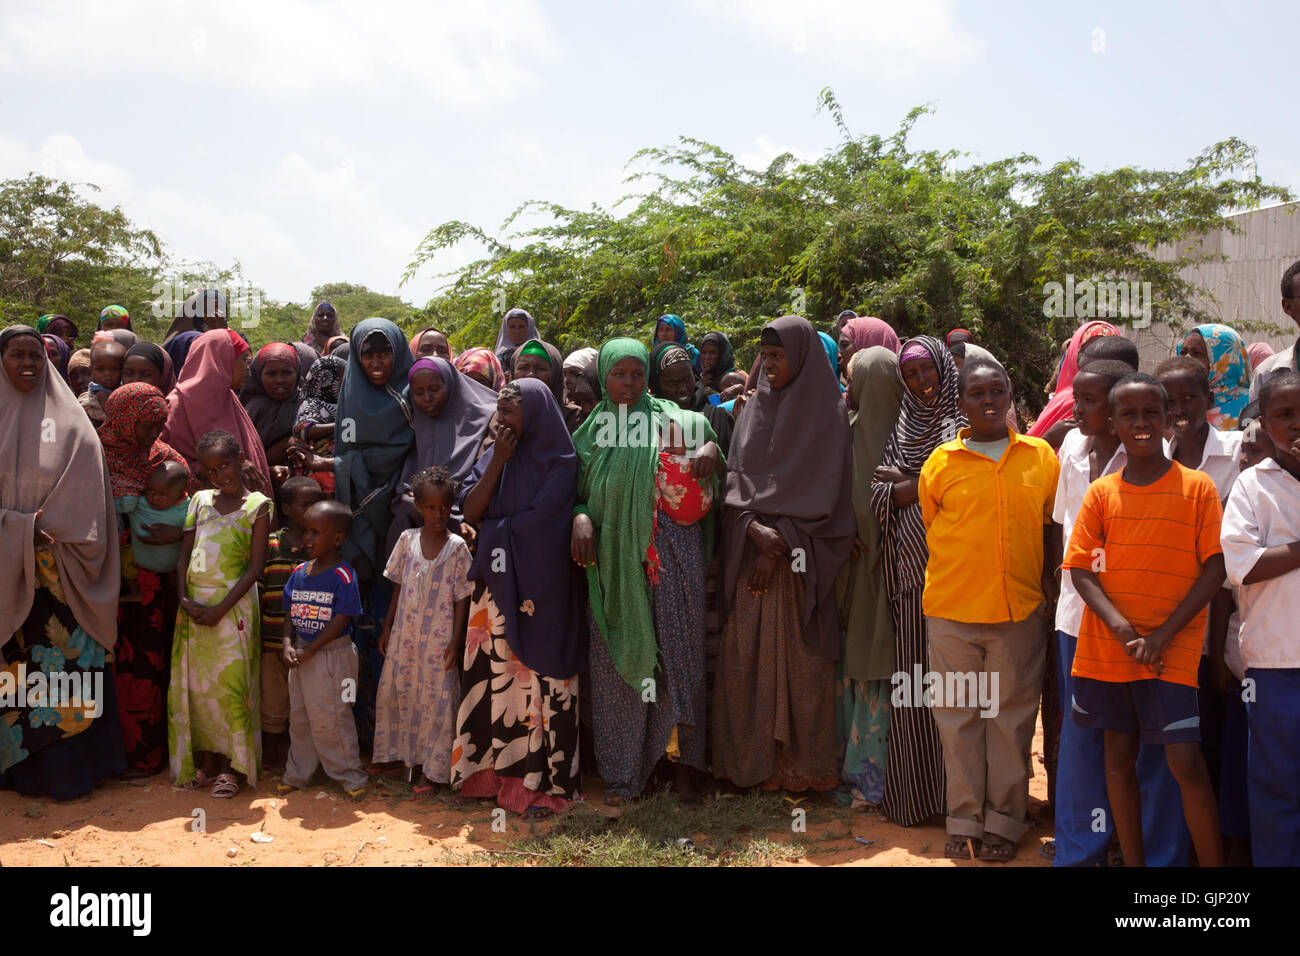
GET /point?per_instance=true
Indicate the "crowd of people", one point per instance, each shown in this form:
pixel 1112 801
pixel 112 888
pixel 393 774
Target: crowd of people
pixel 851 567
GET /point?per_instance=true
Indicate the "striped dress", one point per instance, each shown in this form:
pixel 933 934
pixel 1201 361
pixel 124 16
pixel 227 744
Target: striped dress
pixel 915 782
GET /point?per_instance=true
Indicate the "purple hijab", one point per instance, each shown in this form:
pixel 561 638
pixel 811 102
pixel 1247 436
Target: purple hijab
pixel 529 519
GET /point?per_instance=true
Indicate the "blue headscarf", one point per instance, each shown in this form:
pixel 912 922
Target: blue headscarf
pixel 529 518
pixel 372 434
pixel 679 336
pixel 832 353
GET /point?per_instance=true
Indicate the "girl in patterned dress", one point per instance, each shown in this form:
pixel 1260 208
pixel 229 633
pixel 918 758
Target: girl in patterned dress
pixel 423 637
pixel 213 714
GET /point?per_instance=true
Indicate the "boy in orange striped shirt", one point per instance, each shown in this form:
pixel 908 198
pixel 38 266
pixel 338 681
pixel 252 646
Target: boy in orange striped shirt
pixel 1145 558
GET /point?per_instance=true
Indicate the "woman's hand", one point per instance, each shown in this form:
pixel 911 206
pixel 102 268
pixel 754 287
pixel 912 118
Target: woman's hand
pixel 507 442
pixel 707 461
pixel 889 473
pixel 768 540
pixel 762 573
pixel 253 479
pixel 161 534
pixel 451 655
pixel 582 544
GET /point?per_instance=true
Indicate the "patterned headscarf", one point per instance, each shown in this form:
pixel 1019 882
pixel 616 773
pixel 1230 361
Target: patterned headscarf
pixel 273 419
pixel 485 363
pixel 116 310
pixel 50 323
pixel 128 469
pixel 920 430
pixel 1229 373
pixel 320 391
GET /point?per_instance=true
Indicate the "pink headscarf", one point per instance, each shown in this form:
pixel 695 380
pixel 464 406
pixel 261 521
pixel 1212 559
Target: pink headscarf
pixel 202 402
pixel 868 331
pixel 483 361
pixel 1258 351
pixel 1062 404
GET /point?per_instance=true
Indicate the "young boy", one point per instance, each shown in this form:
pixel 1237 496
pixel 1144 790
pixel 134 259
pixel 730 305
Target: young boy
pixel 1089 452
pixel 1261 546
pixel 986 500
pixel 1145 558
pixel 323 599
pixel 284 552
pixel 107 356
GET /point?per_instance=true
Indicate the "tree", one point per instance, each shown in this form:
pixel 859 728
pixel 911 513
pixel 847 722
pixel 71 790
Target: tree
pixel 62 253
pixel 872 225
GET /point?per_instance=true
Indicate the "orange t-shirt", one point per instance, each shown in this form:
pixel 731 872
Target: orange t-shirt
pixel 1147 545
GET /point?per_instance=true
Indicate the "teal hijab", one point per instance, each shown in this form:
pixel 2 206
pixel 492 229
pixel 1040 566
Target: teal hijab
pixel 618 459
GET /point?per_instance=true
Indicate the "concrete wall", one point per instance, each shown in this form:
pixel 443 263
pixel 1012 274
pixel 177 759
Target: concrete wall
pixel 1244 288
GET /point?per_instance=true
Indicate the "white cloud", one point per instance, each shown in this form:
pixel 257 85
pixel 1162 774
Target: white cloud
pixel 895 38
pixel 462 55
pixel 760 153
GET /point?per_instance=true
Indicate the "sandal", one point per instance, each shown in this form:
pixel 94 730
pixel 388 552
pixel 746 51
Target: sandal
pixel 355 796
pixel 226 786
pixel 422 791
pixel 1003 851
pixel 200 781
pixel 961 848
pixel 534 814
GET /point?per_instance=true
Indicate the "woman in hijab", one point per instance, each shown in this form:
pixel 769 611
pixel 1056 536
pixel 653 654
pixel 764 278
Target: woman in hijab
pixel 863 333
pixel 451 416
pixel 833 356
pixel 716 359
pixel 1223 353
pixel 517 327
pixel 60 579
pixel 312 448
pixel 147 362
pixel 517 727
pixel 204 400
pixel 323 326
pixel 59 354
pixel 60 325
pixel 542 361
pixel 868 663
pixel 789 529
pixel 1061 406
pixel 673 378
pixel 133 417
pixel 643 530
pixel 372 435
pixel 581 383
pixel 929 415
pixel 338 345
pixel 79 371
pixel 178 347
pixel 203 311
pixel 431 342
pixel 271 397
pixel 671 328
pixel 482 366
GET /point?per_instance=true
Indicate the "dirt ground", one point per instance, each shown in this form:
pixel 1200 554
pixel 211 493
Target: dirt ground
pixel 147 823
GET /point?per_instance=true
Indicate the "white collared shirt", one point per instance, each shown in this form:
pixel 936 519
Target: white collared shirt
pixel 1263 511
pixel 1221 458
pixel 1070 487
pixel 1282 359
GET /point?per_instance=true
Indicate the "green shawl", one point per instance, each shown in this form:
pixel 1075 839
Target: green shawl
pixel 618 457
pixel 863 600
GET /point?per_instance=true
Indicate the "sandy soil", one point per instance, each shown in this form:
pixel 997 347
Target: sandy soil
pixel 147 823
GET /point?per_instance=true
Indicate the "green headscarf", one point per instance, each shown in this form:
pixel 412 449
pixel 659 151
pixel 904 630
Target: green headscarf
pixel 863 600
pixel 618 457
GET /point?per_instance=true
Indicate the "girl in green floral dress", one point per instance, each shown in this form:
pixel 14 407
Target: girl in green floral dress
pixel 212 705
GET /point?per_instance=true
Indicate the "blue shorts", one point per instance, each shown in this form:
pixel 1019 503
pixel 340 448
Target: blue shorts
pixel 1156 710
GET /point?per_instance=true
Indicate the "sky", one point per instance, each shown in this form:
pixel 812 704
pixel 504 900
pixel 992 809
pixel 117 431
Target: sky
pixel 318 142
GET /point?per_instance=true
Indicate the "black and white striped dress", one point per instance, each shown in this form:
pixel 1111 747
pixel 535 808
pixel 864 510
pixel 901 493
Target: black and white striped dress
pixel 914 781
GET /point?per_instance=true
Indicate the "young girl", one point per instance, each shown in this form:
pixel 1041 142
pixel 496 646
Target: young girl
pixel 312 452
pixel 419 690
pixel 212 704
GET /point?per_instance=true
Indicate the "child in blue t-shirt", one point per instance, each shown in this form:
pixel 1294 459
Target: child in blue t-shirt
pixel 319 602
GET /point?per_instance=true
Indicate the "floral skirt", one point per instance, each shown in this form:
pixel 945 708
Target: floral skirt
pixel 143 666
pixel 516 731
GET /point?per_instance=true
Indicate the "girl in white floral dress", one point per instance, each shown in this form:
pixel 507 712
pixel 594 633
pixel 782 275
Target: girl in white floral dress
pixel 415 710
pixel 213 716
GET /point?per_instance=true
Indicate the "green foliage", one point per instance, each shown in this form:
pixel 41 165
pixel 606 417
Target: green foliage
pixel 61 253
pixel 872 225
